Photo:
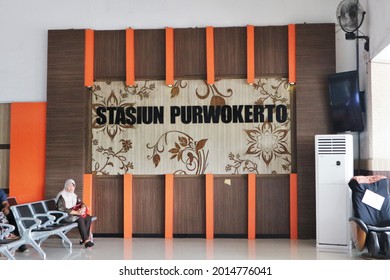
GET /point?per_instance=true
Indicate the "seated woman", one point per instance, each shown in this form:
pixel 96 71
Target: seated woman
pixel 67 201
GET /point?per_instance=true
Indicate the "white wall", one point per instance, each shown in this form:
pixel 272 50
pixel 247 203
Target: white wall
pixel 380 74
pixel 375 148
pixel 24 25
pixel 379 28
pixel 375 139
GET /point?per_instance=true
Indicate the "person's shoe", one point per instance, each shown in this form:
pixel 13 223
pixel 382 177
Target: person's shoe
pixel 88 244
pixel 12 236
pixel 22 249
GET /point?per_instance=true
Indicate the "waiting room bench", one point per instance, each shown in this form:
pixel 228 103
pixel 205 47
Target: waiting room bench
pixel 51 223
pixel 9 246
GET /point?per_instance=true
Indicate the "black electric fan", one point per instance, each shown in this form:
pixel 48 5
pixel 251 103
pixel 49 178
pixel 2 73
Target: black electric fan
pixel 350 15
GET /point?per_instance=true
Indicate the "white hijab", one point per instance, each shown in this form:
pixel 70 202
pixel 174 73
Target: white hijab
pixel 69 197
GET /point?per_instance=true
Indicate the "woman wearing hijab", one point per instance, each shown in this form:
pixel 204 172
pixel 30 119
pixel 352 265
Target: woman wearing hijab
pixel 69 202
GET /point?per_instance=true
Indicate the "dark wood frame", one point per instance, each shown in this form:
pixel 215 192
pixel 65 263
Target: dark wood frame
pixel 68 112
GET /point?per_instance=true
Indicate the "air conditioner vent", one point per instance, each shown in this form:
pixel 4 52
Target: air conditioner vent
pixel 331 146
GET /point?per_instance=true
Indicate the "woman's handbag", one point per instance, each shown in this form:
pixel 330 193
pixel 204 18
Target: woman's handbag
pixel 77 207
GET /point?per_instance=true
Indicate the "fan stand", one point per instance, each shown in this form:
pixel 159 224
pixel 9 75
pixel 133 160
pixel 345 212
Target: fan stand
pixel 352 36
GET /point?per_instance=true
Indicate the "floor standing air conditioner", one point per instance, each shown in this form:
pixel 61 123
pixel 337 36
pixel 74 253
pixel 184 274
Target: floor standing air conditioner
pixel 334 169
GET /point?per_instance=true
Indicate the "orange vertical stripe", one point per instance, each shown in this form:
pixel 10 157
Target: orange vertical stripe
pixel 169 56
pixel 209 206
pixel 89 58
pixel 128 205
pixel 251 206
pixel 168 205
pixel 27 158
pixel 292 77
pixel 87 191
pixel 130 75
pixel 250 45
pixel 293 206
pixel 210 54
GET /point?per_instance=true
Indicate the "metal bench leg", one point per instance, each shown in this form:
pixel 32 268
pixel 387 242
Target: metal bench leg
pixel 65 239
pixel 41 253
pixel 8 254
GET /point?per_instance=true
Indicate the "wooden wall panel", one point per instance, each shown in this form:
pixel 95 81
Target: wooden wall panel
pixel 68 139
pixel 68 113
pixel 230 205
pixel 271 51
pixel 149 54
pixel 110 55
pixel 189 209
pixel 190 53
pixel 272 205
pixel 4 170
pixel 315 61
pixel 149 205
pixel 364 172
pixel 5 109
pixel 230 52
pixel 107 197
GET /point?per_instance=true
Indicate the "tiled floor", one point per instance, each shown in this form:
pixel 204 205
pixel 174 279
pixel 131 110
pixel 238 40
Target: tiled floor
pixel 114 258
pixel 189 249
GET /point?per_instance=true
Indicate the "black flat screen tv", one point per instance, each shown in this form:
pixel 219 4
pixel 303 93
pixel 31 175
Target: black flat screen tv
pixel 345 103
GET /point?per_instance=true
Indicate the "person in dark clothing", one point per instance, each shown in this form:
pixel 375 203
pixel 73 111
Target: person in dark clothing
pixel 5 208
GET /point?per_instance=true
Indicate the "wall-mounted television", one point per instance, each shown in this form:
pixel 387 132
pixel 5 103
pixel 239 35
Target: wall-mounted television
pixel 345 102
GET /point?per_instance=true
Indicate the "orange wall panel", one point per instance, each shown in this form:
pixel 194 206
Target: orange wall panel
pixel 169 205
pixel 293 206
pixel 292 60
pixel 130 74
pixel 169 56
pixel 250 53
pixel 89 57
pixel 251 206
pixel 210 55
pixel 87 192
pixel 209 206
pixel 127 205
pixel 27 151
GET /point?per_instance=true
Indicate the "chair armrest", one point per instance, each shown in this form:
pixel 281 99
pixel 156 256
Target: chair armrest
pixel 50 219
pixel 360 223
pixel 36 223
pixel 378 228
pixel 57 220
pixel 359 231
pixel 7 230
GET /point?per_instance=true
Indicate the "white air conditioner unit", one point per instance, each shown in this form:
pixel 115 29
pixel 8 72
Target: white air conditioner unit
pixel 334 169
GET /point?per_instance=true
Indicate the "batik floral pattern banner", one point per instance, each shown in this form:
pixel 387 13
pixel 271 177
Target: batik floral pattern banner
pixel 191 128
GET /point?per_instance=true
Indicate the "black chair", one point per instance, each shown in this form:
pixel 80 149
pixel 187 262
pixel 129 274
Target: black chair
pixel 51 208
pixel 370 224
pixel 36 235
pixel 48 219
pixel 8 246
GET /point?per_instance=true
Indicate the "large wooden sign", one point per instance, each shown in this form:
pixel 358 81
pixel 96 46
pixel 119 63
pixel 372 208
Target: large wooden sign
pixel 229 127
